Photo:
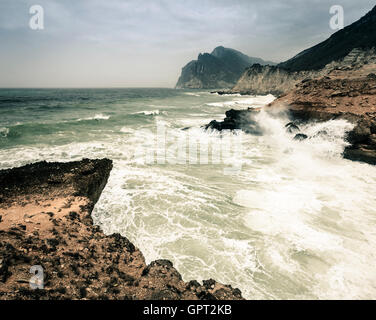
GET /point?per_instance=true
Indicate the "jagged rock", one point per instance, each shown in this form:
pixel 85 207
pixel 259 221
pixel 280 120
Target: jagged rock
pixel 349 96
pixel 300 137
pixel 49 224
pixel 291 127
pixel 238 120
pixel 219 69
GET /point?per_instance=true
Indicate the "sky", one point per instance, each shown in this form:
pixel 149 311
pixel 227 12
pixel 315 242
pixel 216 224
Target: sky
pixel 134 43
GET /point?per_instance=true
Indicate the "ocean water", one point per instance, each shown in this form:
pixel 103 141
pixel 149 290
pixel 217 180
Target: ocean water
pixel 293 221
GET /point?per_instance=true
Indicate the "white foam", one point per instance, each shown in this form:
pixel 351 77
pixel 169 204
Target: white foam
pixel 151 112
pixel 98 116
pixel 297 222
pixel 251 102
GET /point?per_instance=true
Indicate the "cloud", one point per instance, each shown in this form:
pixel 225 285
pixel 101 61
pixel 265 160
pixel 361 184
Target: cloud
pixel 145 43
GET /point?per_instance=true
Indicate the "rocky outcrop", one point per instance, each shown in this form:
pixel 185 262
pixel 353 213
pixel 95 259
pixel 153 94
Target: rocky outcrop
pixel 347 94
pixel 340 97
pixel 348 48
pixel 277 80
pixel 237 120
pixel 263 80
pixel 219 69
pixel 45 220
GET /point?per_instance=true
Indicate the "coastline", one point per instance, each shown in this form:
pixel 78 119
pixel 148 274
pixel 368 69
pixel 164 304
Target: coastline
pixel 45 221
pixel 348 95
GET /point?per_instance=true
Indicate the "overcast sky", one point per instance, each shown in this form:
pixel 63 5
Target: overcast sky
pixel 126 43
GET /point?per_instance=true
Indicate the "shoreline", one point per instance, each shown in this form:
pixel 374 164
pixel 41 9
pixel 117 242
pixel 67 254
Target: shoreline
pixel 342 95
pixel 45 211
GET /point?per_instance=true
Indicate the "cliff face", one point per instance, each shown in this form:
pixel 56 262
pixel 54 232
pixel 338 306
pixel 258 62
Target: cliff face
pixel 350 47
pixel 219 69
pixel 343 96
pixel 259 79
pixel 45 220
pixel 263 80
pixel 361 34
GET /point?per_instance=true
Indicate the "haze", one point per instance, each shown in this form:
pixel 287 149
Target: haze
pixel 114 43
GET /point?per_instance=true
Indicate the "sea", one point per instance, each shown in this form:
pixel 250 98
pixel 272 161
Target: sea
pixel 277 218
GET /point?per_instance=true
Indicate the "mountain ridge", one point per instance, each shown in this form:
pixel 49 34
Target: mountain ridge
pixel 360 34
pixel 219 69
pixel 351 47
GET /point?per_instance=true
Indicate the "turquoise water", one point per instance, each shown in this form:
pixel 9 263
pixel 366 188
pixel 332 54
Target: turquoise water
pixel 293 221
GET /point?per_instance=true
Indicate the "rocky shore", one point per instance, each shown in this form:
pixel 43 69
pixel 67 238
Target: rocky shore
pixel 341 92
pixel 45 220
pixel 339 96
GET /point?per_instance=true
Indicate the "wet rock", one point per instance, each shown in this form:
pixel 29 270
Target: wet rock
pixel 79 261
pixel 360 133
pixel 360 153
pixel 292 127
pixel 238 120
pixel 300 137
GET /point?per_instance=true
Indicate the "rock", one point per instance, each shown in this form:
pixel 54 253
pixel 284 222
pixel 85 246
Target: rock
pixel 79 261
pixel 371 142
pixel 346 50
pixel 238 120
pixel 360 133
pixel 360 153
pixel 291 127
pixel 219 69
pixel 300 137
pixel 312 101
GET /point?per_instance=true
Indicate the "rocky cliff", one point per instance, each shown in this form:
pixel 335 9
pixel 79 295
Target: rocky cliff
pixel 219 69
pixel 361 34
pixel 348 94
pixel 259 79
pixel 353 45
pixel 45 221
pixel 343 95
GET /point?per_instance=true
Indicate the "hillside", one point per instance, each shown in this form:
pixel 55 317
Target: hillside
pixel 219 69
pixel 361 34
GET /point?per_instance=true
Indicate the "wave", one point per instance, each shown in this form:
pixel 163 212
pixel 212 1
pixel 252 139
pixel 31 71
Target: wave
pixel 99 116
pixel 150 112
pixel 228 94
pixel 255 101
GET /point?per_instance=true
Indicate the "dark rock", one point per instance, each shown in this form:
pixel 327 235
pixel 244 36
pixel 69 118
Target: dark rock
pixel 238 120
pixel 360 153
pixel 204 295
pixel 164 295
pixel 193 284
pixel 360 133
pixel 29 179
pixel 291 127
pixel 300 137
pixel 219 69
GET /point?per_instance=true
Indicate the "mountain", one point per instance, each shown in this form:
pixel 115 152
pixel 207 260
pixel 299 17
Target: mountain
pixel 219 69
pixel 361 34
pixel 349 48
